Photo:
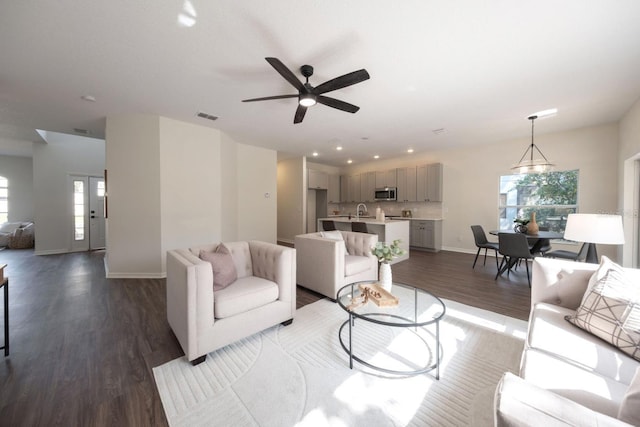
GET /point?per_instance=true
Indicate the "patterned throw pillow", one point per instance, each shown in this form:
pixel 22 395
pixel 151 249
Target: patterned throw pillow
pixel 610 310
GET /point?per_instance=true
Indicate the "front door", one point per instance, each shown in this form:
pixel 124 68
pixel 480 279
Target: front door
pixel 96 213
pixel 88 229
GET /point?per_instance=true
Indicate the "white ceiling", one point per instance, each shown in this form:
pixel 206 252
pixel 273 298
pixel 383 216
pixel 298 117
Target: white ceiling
pixel 474 68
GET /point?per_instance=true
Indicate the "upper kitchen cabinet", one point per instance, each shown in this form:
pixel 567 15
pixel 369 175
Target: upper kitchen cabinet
pixel 333 192
pixel 367 186
pixel 318 180
pixel 386 179
pixel 406 184
pixel 353 188
pixel 429 183
pixel 344 189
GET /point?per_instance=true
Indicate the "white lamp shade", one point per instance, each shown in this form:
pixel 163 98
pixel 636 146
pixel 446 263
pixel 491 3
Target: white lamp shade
pixel 595 228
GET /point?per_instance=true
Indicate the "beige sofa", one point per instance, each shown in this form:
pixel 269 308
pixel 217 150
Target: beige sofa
pixel 567 376
pixel 263 295
pixel 328 261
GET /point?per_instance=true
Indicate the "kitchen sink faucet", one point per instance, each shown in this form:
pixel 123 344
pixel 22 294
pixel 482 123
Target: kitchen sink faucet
pixel 358 210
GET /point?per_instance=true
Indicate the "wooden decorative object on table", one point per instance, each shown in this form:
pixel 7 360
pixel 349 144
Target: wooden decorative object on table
pixel 532 227
pixel 375 293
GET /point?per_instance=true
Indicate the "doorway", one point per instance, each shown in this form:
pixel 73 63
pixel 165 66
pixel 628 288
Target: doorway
pixel 87 204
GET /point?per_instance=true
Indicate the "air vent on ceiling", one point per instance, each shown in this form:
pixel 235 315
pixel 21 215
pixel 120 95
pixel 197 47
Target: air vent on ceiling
pixel 206 116
pixel 82 131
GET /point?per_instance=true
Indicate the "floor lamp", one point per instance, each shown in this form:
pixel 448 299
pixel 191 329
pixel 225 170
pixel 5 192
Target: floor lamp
pixel 592 229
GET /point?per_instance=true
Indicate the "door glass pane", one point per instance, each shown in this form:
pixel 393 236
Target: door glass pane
pixel 78 210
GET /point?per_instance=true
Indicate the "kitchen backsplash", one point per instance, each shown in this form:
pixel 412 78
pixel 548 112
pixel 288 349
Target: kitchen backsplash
pixel 418 209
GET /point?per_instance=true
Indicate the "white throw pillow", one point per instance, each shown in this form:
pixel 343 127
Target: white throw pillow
pixel 630 407
pixel 610 310
pixel 334 235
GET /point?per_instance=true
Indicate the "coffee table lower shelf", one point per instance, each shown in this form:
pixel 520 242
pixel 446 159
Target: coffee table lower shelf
pixel 349 348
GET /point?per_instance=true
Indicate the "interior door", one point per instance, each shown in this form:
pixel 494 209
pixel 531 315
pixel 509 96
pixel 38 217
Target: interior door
pixel 96 213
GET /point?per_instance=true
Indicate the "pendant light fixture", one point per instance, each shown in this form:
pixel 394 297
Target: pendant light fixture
pixel 527 163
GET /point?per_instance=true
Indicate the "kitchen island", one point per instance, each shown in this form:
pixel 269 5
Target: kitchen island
pixel 387 230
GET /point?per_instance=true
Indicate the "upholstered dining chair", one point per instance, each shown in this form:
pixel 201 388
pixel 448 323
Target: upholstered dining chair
pixel 573 256
pixel 513 247
pixel 328 225
pixel 482 243
pixel 359 227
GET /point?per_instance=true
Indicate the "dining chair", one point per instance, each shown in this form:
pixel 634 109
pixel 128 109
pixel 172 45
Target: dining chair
pixel 513 247
pixel 581 255
pixel 359 227
pixel 328 225
pixel 482 243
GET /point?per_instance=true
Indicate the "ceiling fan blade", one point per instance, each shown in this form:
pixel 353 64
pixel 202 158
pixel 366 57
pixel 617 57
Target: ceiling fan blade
pixel 336 103
pixel 342 81
pixel 286 73
pixel 268 98
pixel 300 112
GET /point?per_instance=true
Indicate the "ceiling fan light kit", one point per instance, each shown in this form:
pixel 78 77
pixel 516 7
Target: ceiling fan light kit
pixel 308 95
pixel 528 164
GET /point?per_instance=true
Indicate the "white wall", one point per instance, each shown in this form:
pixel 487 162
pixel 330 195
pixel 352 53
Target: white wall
pixel 133 196
pixel 257 192
pixel 53 162
pixel 19 172
pixel 175 185
pixel 190 185
pixel 629 182
pixel 292 194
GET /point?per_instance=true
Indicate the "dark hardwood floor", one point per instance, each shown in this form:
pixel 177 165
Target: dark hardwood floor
pixel 83 347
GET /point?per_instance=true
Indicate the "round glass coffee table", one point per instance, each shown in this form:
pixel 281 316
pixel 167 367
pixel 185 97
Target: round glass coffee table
pixel 403 337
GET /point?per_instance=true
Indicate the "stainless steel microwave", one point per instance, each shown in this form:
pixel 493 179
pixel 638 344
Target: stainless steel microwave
pixel 387 193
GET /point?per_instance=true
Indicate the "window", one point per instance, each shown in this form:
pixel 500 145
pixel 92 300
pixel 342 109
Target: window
pixel 4 199
pixel 552 196
pixel 78 210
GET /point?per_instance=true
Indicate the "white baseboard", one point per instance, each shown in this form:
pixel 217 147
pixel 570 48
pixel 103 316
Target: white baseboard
pixel 468 251
pixel 52 252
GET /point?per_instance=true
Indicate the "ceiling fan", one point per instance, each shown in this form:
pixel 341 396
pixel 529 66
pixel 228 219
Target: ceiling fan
pixel 308 95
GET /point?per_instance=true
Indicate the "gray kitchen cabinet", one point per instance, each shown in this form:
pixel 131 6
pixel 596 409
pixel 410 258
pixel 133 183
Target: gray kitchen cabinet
pixel 386 179
pixel 344 189
pixel 426 234
pixel 353 186
pixel 406 183
pixel 429 183
pixel 367 186
pixel 333 192
pixel 317 180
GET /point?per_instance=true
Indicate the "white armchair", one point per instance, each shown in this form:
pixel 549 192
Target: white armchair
pixel 325 264
pixel 263 295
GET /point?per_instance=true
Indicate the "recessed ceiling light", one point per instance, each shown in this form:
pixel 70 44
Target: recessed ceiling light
pixel 349 161
pixel 376 157
pixel 339 147
pixel 89 98
pixel 410 150
pixel 315 154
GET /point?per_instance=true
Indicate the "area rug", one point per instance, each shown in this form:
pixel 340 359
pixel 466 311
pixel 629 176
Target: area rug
pixel 298 375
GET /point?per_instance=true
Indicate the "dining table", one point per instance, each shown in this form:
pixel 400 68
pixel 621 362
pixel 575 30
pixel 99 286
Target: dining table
pixel 537 239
